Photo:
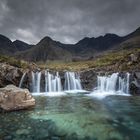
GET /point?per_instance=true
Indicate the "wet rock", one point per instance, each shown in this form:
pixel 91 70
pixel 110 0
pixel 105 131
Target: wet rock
pixel 88 79
pixel 22 131
pixel 113 135
pixel 42 133
pixel 14 98
pixel 7 138
pixel 55 138
pixel 73 136
pixel 135 84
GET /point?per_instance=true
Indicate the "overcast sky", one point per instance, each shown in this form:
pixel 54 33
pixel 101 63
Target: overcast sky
pixel 67 21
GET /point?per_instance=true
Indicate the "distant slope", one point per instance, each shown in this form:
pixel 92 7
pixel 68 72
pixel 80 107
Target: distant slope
pixel 6 46
pixel 46 49
pixel 130 43
pixel 87 48
pixel 21 46
pixel 133 34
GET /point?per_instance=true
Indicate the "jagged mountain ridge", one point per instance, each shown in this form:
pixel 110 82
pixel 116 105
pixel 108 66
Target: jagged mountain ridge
pixel 49 49
pixel 46 49
pixel 7 47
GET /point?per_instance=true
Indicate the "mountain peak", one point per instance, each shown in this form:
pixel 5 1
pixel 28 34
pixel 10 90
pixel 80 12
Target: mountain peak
pixel 4 38
pixel 110 35
pixel 47 38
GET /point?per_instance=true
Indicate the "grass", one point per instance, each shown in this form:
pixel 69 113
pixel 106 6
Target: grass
pixel 14 62
pixel 105 60
pixel 109 59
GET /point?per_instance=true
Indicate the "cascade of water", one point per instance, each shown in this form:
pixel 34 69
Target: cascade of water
pixel 52 83
pixel 124 84
pixel 107 83
pixel 72 81
pixel 22 80
pixel 113 83
pixel 36 79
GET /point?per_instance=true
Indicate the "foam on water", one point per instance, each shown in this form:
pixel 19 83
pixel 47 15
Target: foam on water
pixel 111 85
pixel 50 94
pixel 101 95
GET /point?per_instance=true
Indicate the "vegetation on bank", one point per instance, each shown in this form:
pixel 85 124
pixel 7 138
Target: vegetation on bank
pixel 14 62
pixel 118 59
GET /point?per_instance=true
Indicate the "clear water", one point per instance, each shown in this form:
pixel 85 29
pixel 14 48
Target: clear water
pixel 75 117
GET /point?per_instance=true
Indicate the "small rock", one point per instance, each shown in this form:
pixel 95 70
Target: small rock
pixel 22 131
pixel 8 137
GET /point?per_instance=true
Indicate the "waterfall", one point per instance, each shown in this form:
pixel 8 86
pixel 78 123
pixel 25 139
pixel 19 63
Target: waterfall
pixel 72 81
pixel 36 79
pixel 124 84
pixel 107 83
pixel 52 82
pixel 113 83
pixel 22 80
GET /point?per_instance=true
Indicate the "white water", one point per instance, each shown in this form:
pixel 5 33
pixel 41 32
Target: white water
pixel 72 81
pixel 106 85
pixel 22 80
pixel 111 85
pixel 124 84
pixel 51 94
pixel 52 82
pixel 36 79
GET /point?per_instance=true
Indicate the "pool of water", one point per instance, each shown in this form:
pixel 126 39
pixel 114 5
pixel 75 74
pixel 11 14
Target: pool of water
pixel 74 117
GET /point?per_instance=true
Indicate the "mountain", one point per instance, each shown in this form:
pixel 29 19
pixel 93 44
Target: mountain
pixel 49 49
pixel 6 46
pixel 46 49
pixel 133 34
pixel 90 46
pixel 130 41
pixel 21 46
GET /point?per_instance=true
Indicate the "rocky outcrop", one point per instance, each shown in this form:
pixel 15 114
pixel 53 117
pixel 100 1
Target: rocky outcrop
pixel 135 83
pixel 9 75
pixel 88 79
pixel 14 98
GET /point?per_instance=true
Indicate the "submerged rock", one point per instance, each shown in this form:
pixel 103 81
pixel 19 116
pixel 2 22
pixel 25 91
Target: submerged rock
pixel 14 98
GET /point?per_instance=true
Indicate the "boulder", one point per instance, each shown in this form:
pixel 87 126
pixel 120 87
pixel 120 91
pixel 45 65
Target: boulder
pixel 14 98
pixel 9 75
pixel 88 79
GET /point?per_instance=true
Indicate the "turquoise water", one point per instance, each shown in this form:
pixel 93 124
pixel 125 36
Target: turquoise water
pixel 74 117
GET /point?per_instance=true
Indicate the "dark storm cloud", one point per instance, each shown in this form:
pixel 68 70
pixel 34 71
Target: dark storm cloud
pixel 67 21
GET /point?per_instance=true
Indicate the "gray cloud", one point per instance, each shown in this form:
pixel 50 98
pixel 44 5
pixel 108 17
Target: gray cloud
pixel 67 21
